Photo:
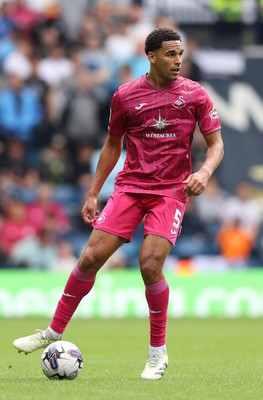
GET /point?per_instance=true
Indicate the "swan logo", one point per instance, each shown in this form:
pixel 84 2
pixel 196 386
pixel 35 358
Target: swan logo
pixel 179 103
pixel 101 218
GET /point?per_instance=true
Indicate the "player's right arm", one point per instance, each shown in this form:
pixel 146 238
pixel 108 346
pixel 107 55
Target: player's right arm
pixel 109 157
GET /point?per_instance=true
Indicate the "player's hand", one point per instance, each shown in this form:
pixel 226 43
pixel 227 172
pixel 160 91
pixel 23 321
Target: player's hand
pixel 89 211
pixel 196 183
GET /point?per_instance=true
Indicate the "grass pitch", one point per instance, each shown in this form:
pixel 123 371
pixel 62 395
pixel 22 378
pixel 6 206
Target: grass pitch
pixel 208 359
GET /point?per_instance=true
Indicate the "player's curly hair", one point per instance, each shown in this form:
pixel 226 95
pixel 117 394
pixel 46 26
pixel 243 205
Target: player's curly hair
pixel 156 38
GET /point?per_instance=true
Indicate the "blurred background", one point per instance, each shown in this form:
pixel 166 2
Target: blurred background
pixel 60 63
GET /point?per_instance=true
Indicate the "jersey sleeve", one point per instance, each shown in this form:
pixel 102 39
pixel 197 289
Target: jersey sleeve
pixel 117 120
pixel 207 116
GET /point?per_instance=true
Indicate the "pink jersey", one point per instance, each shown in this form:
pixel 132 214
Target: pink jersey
pixel 159 125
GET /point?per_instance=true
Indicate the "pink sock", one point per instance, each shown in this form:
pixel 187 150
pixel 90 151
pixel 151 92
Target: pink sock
pixel 78 285
pixel 157 296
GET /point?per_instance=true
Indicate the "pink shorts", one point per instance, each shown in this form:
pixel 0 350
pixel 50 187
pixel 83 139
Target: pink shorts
pixel 125 211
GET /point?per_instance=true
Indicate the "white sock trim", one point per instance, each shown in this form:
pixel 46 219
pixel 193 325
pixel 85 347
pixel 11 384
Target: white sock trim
pixel 160 349
pixel 55 335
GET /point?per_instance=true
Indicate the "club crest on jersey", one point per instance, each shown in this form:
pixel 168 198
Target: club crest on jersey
pixel 179 103
pixel 213 114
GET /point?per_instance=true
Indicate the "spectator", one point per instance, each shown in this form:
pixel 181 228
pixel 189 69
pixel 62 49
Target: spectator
pixel 24 50
pixel 211 207
pixel 8 45
pixel 57 162
pixel 118 45
pixel 94 58
pixel 190 68
pixel 20 107
pixel 83 156
pixel 28 184
pixel 6 23
pixel 15 225
pixel 72 15
pixel 243 207
pixel 141 22
pixel 90 25
pixel 139 64
pixel 20 165
pixel 35 252
pixel 81 117
pixel 46 129
pixel 23 17
pixel 65 257
pixel 38 84
pixel 50 31
pixel 42 5
pixel 235 244
pixel 46 211
pixel 122 75
pixel 95 61
pixel 8 187
pixel 55 67
pixel 14 158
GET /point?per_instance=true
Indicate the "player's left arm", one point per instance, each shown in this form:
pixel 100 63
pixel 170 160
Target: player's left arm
pixel 196 183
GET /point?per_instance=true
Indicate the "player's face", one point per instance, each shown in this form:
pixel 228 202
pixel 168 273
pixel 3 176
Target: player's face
pixel 167 61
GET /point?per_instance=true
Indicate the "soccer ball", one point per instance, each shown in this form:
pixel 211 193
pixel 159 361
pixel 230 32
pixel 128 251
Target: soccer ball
pixel 62 360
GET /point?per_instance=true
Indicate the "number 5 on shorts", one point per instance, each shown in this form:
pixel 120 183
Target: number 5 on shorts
pixel 177 221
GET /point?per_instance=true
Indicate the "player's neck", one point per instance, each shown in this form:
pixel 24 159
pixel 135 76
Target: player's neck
pixel 156 81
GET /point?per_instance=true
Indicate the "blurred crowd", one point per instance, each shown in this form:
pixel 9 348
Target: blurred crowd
pixel 60 63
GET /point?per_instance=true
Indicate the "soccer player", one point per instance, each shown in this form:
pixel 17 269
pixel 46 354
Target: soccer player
pixel 157 113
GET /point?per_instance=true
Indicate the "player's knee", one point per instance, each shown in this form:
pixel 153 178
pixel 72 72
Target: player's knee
pixel 90 261
pixel 152 259
pixel 151 268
